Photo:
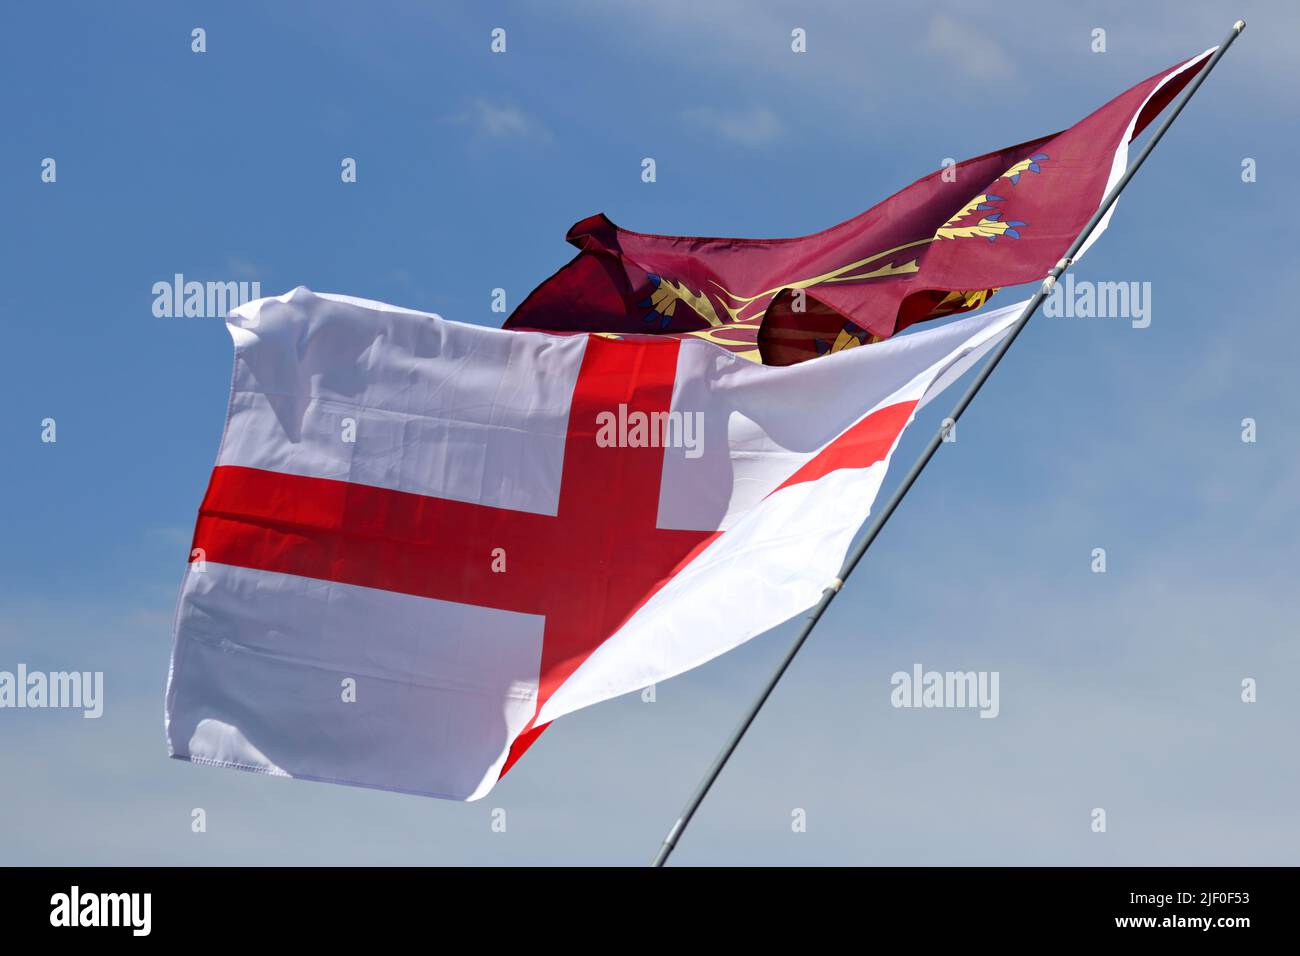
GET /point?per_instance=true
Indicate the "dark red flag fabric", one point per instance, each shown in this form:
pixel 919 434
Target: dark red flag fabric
pixel 940 246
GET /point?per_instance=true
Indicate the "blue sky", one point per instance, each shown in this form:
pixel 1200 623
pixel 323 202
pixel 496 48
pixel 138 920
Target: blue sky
pixel 1118 691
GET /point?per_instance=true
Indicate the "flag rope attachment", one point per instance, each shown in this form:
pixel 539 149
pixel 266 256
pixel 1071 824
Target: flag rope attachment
pixel 851 562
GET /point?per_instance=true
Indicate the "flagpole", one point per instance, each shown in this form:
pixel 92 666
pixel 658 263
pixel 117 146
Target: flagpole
pixel 851 562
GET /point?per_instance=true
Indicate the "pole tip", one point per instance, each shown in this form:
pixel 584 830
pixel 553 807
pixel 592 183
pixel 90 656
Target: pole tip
pixel 1239 25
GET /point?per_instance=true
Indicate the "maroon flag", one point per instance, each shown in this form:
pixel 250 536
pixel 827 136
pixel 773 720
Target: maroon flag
pixel 940 246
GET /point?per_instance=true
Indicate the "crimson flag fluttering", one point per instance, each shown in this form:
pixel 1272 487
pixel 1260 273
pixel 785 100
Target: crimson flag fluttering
pixel 940 246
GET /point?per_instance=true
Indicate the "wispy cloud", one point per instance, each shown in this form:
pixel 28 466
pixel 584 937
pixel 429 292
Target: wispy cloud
pixel 750 128
pixel 976 54
pixel 244 269
pixel 498 120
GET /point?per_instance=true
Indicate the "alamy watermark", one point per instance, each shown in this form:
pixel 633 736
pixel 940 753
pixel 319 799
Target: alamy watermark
pixel 1083 299
pixel 201 300
pixel 940 689
pixel 79 690
pixel 75 908
pixel 634 429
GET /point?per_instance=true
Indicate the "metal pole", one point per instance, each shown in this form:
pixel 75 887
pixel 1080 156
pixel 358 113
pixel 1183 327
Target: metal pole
pixel 851 562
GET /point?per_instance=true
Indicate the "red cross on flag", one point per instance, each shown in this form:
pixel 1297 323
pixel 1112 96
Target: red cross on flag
pixel 423 541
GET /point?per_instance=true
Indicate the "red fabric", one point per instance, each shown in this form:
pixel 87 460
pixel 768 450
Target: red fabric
pixel 587 568
pixel 861 446
pixel 985 227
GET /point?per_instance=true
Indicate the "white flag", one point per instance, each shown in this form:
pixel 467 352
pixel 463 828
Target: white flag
pixel 424 541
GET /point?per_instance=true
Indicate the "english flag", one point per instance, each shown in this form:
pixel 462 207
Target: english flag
pixel 939 247
pixel 423 541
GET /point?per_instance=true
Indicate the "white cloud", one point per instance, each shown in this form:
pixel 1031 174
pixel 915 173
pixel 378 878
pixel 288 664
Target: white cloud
pixel 975 54
pixel 501 121
pixel 750 128
pixel 244 268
